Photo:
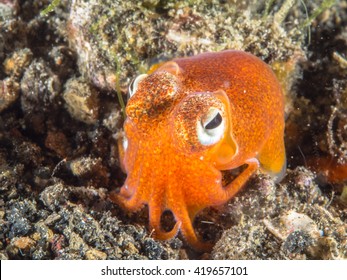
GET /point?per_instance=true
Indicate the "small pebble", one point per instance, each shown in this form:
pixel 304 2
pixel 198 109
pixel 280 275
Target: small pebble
pixel 9 92
pixel 95 254
pixel 82 101
pixel 24 243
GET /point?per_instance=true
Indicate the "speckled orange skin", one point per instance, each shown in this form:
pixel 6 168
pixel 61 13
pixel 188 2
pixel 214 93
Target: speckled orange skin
pixel 168 168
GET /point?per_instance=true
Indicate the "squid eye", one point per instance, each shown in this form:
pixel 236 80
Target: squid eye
pixel 135 83
pixel 211 127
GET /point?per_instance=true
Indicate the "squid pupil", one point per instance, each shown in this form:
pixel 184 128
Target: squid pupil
pixel 215 122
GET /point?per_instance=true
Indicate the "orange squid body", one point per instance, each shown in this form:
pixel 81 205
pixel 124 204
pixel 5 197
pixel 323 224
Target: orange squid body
pixel 188 120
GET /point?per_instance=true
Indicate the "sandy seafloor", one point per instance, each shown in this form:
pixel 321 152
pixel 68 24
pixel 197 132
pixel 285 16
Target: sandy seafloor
pixel 60 119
